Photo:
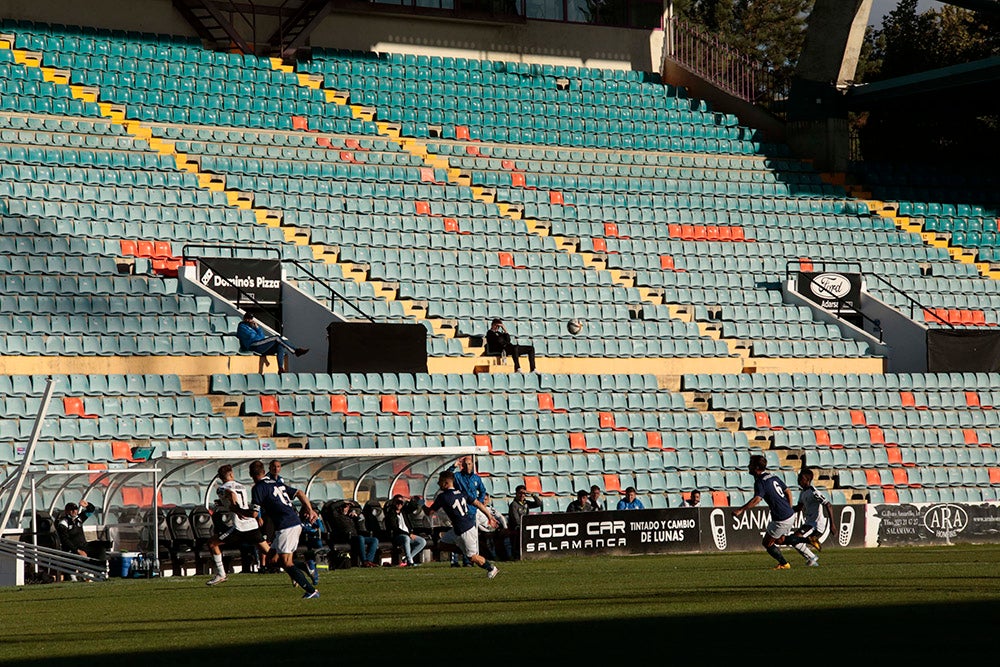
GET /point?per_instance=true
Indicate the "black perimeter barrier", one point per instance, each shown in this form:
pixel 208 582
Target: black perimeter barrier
pixel 660 531
pixel 715 529
pixel 371 347
pixel 958 351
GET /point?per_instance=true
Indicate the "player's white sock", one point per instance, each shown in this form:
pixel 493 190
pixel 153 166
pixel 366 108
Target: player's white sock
pixel 805 551
pixel 220 569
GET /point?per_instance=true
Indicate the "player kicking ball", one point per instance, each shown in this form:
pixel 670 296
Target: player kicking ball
pixel 464 535
pixel 274 498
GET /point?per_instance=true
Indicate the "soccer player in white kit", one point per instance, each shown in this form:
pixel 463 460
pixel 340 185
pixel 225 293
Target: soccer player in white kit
pixel 817 515
pixel 232 494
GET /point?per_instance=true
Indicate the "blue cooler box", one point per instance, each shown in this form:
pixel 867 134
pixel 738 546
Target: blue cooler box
pixel 120 564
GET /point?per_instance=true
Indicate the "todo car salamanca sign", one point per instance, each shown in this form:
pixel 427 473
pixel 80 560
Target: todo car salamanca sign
pixel 625 532
pixel 682 529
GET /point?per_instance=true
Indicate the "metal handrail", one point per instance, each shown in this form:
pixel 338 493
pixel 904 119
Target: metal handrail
pixel 877 324
pixel 747 78
pixel 241 293
pixel 912 302
pixel 63 562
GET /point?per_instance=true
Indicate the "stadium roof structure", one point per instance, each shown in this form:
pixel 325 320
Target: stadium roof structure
pixel 349 469
pixel 307 467
pixel 973 83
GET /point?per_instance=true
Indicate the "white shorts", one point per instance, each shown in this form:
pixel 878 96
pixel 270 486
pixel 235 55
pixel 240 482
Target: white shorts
pixel 286 540
pixel 467 542
pixel 778 529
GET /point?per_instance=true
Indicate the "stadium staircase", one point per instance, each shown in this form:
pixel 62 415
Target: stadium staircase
pixel 572 193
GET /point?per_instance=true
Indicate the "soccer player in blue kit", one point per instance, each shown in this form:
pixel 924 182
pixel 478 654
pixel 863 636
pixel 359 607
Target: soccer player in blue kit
pixel 771 490
pixel 463 536
pixel 274 499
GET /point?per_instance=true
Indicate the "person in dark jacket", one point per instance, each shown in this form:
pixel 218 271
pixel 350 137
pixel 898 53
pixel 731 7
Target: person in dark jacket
pixel 402 534
pixel 254 339
pixel 70 530
pixel 498 341
pixel 519 508
pixel 581 504
pixel 347 527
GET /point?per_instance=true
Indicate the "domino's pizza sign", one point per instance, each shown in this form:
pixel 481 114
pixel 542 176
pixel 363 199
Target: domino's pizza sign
pixel 242 281
pixel 839 292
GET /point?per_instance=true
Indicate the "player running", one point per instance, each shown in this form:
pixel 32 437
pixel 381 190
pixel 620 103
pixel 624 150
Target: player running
pixel 815 521
pixel 274 499
pixel 244 531
pixel 463 536
pixel 771 490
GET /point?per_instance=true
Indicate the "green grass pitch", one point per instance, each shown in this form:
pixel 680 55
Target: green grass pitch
pixel 901 604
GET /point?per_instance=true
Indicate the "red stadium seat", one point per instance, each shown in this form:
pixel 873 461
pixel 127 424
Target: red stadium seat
pixel 98 467
pixel 612 483
pixel 269 404
pixel 547 404
pixel 390 403
pixel 895 457
pixel 338 404
pixel 578 441
pixel 73 407
pixel 607 420
pixel 483 440
pixel 122 450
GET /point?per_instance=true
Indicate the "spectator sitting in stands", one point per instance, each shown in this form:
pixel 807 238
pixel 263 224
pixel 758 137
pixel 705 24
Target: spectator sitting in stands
pixel 347 527
pixel 498 341
pixel 581 504
pixel 254 339
pixel 402 535
pixel 630 501
pixel 597 502
pixel 694 500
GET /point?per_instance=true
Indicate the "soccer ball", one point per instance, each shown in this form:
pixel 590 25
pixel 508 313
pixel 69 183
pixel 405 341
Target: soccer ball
pixel 574 326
